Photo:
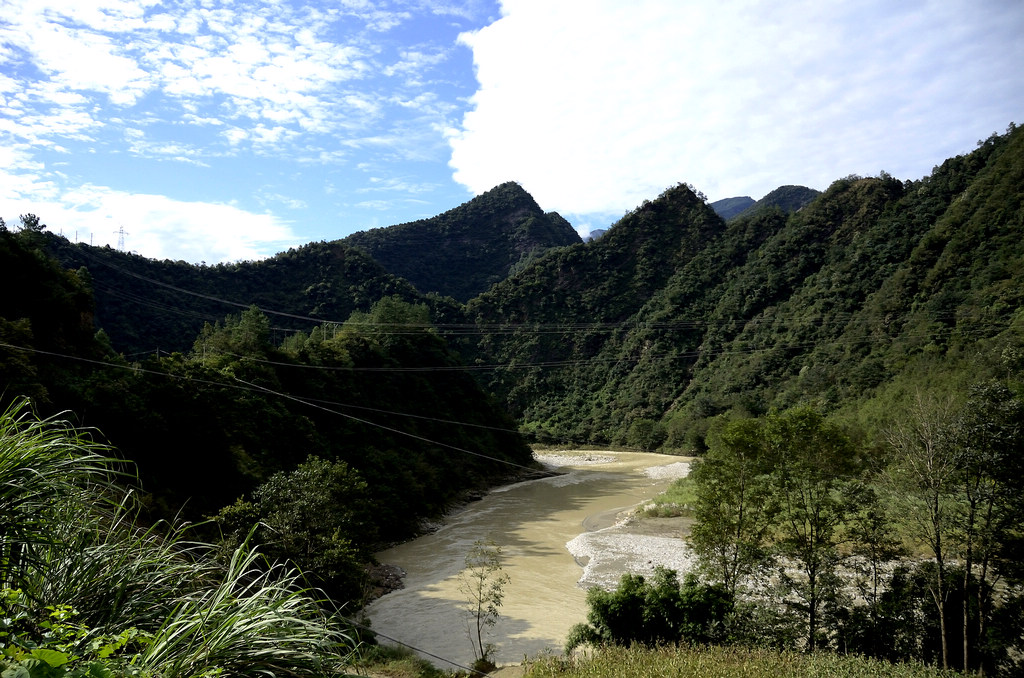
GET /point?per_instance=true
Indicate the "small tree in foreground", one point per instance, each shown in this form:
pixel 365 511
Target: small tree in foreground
pixel 483 583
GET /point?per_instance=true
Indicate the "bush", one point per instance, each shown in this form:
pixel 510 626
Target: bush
pixel 654 612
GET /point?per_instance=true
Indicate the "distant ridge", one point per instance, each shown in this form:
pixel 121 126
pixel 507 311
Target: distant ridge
pixel 727 208
pixel 787 198
pixel 465 250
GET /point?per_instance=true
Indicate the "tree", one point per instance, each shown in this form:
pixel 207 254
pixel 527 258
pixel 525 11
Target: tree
pixel 922 479
pixel 31 223
pixel 646 434
pixel 735 504
pixel 817 489
pixel 989 438
pixel 875 545
pixel 315 517
pixel 483 582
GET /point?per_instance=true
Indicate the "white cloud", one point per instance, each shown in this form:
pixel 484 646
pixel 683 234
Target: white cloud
pixel 595 105
pixel 155 225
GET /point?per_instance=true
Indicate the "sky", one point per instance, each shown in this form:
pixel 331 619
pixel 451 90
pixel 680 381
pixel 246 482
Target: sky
pixel 227 130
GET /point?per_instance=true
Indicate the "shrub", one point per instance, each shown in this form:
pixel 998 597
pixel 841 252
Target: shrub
pixel 654 612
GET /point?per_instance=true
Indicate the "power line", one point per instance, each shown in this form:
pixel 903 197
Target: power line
pixel 255 388
pixel 413 647
pixel 385 428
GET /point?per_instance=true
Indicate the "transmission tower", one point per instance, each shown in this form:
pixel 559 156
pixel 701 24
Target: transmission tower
pixel 121 233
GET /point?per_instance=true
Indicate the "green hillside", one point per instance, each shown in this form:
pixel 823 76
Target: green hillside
pixel 469 248
pixel 727 208
pixel 145 305
pixel 248 400
pixel 331 400
pixel 675 316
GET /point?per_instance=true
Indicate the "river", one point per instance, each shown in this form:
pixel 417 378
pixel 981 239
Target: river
pixel 558 536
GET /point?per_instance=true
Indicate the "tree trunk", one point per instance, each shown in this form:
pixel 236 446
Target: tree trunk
pixel 940 597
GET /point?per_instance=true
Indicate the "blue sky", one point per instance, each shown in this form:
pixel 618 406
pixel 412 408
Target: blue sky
pixel 220 130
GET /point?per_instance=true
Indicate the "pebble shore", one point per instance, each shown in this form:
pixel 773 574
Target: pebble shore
pixel 631 544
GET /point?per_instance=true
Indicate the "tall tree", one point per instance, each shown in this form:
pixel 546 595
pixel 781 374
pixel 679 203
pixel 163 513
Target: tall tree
pixel 818 489
pixel 923 479
pixel 989 437
pixel 735 504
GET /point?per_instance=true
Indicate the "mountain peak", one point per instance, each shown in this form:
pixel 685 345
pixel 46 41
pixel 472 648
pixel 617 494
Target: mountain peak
pixel 465 250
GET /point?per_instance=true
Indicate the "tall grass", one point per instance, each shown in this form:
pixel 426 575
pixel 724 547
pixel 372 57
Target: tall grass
pixel 45 466
pixel 69 540
pixel 722 662
pixel 677 500
pixel 258 620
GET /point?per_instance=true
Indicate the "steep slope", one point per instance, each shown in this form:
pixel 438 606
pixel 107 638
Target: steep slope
pixel 247 399
pixel 45 308
pixel 467 249
pixel 824 304
pixel 566 308
pixel 786 198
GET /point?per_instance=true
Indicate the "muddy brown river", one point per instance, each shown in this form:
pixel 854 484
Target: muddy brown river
pixel 558 536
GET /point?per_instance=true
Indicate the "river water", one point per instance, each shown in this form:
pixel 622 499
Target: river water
pixel 535 523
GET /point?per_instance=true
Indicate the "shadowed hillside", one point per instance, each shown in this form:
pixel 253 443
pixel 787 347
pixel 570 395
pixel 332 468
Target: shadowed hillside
pixel 464 251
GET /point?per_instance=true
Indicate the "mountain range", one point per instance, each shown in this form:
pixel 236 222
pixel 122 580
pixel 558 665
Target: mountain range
pixel 680 312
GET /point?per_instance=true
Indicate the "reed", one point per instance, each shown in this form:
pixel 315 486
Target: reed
pixel 70 541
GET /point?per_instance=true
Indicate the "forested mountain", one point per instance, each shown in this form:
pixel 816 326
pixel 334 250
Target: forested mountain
pixel 146 305
pixel 150 305
pixel 727 208
pixel 675 315
pixel 464 251
pixel 380 392
pixel 322 373
pixel 786 198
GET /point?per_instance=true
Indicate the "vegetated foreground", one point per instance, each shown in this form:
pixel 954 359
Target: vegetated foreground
pixel 720 662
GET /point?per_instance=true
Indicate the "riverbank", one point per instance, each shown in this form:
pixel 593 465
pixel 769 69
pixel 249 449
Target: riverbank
pixel 622 541
pixel 589 498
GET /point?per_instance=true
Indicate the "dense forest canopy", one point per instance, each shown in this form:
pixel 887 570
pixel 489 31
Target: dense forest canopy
pixel 676 316
pixel 464 251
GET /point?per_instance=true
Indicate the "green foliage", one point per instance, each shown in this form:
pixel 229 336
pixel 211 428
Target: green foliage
pixel 395 662
pixel 720 662
pixel 677 500
pixel 146 306
pixel 645 434
pixel 794 490
pixel 818 489
pixel 735 505
pixel 482 583
pixel 317 517
pixel 385 383
pixel 99 596
pixel 464 251
pixel 654 612
pixel 676 317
